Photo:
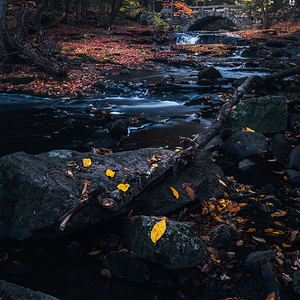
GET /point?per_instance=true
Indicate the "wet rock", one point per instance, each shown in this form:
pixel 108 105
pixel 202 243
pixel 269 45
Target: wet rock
pixel 223 80
pixel 276 44
pixel 295 159
pixel 124 72
pixel 266 208
pixel 200 178
pixel 223 237
pixel 178 248
pixel 35 195
pixel 104 140
pixel 10 291
pixel 244 144
pixel 281 148
pixel 293 88
pixel 293 120
pixel 269 277
pixel 252 64
pixel 294 176
pixel 127 266
pixel 197 101
pixel 111 88
pixel 20 268
pixel 209 73
pixel 119 129
pixel 206 82
pixel 296 282
pixel 249 53
pixel 246 165
pixel 265 114
pixel 238 82
pixel 258 257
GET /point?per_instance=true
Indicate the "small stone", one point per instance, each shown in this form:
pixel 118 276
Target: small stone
pixel 295 159
pixel 296 282
pixel 257 257
pixel 178 248
pixel 244 144
pixel 223 237
pixel 293 176
pixel 125 72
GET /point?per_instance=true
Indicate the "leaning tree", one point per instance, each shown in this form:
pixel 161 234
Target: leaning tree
pixel 15 47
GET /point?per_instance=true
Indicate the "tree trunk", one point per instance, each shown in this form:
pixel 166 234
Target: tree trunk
pixel 116 5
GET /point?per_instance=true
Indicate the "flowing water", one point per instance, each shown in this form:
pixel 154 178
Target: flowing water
pixel 34 124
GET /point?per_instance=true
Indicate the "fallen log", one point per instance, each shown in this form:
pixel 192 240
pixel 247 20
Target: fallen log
pixel 13 45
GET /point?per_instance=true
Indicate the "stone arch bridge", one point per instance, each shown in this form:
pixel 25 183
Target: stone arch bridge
pixel 203 15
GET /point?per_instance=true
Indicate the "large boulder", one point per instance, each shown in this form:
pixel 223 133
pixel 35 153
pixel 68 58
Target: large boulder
pixel 244 144
pixel 11 291
pixel 209 73
pixel 199 181
pixel 36 196
pixel 264 114
pixel 281 148
pixel 178 248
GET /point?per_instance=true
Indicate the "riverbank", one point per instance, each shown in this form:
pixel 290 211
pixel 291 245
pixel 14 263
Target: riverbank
pixel 92 55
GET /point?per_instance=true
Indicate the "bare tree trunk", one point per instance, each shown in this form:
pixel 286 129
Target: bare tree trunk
pixel 67 8
pixel 116 5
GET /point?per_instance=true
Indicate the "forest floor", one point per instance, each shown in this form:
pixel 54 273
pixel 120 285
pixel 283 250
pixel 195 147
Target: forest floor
pixel 92 56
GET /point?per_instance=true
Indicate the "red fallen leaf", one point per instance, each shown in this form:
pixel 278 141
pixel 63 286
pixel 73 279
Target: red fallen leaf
pixel 85 183
pixel 189 190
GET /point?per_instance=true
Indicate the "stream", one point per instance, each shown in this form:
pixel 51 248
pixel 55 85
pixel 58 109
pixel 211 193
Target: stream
pixel 34 124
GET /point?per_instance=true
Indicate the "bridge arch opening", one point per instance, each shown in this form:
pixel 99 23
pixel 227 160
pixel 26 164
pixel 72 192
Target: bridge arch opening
pixel 213 23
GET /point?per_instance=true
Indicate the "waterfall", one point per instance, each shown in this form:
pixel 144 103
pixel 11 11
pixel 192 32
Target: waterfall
pixel 192 38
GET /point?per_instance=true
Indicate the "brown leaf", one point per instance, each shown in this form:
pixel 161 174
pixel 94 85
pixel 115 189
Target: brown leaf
pixel 189 190
pixel 70 175
pixel 72 163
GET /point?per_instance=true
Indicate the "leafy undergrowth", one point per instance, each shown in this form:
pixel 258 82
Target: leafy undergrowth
pixel 280 30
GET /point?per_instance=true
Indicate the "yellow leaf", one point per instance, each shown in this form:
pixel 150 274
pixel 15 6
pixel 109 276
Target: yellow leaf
pixel 123 187
pixel 154 165
pixel 222 182
pixel 258 239
pixel 271 296
pixel 175 193
pixel 239 243
pixel 251 229
pixel 110 173
pixel 286 245
pixel 249 129
pixel 279 213
pixel 158 230
pixel 86 162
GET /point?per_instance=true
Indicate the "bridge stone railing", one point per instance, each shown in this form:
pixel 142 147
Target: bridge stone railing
pixel 233 13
